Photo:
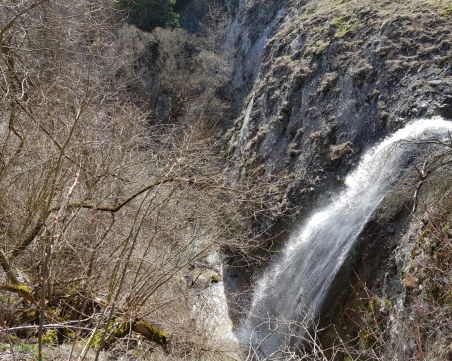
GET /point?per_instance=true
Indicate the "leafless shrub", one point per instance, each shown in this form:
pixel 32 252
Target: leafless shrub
pixel 105 212
pixel 296 340
pixel 415 324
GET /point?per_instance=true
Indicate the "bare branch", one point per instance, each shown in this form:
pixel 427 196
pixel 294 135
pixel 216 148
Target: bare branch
pixel 17 16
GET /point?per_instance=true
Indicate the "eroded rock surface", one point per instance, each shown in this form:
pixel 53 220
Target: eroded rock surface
pixel 312 76
pixel 318 82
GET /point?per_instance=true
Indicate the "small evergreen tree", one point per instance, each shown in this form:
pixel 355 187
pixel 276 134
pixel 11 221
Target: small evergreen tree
pixel 149 14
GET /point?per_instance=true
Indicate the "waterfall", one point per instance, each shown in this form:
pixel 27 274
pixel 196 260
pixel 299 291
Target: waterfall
pixel 303 273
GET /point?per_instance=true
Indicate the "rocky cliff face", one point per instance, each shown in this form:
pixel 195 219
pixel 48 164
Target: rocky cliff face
pixel 316 83
pixel 319 81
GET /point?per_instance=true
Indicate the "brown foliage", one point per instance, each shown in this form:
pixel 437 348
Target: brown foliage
pixel 104 211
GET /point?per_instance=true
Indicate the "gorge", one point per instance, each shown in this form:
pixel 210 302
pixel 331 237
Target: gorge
pixel 217 180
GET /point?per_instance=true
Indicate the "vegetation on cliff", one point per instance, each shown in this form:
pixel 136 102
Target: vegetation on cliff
pixel 322 81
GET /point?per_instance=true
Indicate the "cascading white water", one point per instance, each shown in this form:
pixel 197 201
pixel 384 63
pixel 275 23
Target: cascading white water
pixel 314 254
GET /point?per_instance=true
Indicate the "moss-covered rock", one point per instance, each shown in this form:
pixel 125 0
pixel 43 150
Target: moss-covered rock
pixel 21 290
pixel 150 332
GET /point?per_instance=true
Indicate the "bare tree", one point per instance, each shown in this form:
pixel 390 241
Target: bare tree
pixel 106 216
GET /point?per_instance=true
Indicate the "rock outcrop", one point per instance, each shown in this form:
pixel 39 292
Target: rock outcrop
pixel 319 81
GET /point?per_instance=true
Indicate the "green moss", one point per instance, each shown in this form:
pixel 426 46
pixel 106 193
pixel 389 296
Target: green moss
pixel 31 314
pixel 50 337
pixel 446 299
pixel 447 13
pixel 343 26
pixel 30 349
pixel 22 288
pixel 116 329
pixel 95 340
pixel 121 329
pixel 446 230
pixel 54 315
pixel 150 332
pixel 19 289
pixel 215 278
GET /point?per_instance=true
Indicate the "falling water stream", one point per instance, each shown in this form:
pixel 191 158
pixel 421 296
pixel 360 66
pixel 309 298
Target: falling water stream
pixel 302 275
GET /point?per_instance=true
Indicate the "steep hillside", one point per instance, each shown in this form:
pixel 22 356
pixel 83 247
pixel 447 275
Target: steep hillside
pixel 316 83
pixel 319 81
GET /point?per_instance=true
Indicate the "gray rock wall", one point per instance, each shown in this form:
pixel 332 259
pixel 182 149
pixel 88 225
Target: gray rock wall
pixel 319 81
